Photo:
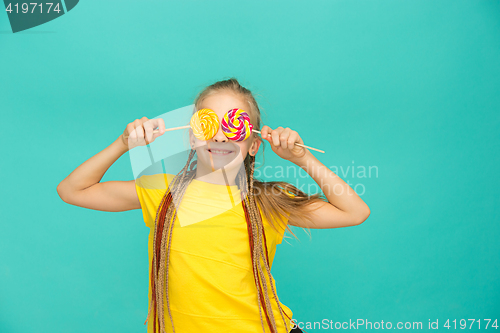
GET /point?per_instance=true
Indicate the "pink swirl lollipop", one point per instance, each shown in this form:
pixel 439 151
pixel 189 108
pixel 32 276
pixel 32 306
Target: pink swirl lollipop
pixel 236 125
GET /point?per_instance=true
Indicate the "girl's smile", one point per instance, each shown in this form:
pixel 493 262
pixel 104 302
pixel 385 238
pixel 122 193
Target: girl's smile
pixel 215 151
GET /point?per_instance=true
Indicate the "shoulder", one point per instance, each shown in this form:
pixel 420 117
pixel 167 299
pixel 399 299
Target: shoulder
pixel 154 182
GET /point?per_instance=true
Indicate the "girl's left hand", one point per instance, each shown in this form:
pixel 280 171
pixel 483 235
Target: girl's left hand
pixel 283 141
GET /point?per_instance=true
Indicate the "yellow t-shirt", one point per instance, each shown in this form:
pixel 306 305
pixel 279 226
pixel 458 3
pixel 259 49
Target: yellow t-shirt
pixel 211 281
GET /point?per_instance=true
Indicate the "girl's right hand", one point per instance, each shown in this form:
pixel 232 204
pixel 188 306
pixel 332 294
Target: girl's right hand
pixel 140 132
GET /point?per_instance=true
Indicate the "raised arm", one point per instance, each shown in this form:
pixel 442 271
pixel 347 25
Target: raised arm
pixel 344 207
pixel 83 188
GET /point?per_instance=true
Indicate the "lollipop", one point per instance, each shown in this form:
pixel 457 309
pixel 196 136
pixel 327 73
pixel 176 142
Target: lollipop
pixel 236 125
pixel 205 124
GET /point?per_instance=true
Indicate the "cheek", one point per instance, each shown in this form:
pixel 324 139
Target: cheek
pixel 199 143
pixel 244 148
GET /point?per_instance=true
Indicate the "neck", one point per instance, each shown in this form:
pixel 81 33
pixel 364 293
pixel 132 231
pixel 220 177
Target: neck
pixel 219 177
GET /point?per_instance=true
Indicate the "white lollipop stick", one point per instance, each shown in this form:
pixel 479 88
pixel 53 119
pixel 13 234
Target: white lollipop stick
pixel 188 126
pixel 298 144
pixel 168 129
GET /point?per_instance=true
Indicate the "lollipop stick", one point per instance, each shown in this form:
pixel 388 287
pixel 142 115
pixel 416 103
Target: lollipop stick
pixel 298 144
pixel 168 129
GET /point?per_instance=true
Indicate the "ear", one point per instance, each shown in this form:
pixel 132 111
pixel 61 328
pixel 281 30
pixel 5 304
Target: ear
pixel 191 139
pixel 255 147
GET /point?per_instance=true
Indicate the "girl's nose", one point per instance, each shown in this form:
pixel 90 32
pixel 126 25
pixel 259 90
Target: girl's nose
pixel 220 136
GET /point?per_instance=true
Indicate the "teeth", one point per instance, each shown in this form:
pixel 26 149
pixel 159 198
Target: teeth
pixel 219 151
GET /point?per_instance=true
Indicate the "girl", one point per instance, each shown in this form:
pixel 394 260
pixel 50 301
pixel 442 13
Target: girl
pixel 213 227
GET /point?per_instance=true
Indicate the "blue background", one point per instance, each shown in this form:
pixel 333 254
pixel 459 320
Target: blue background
pixel 410 87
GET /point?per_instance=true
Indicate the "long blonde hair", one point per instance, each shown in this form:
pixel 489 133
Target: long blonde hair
pixel 287 200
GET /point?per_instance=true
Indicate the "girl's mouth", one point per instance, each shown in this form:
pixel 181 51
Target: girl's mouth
pixel 219 151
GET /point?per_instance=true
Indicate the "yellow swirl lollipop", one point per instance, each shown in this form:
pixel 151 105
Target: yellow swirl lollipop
pixel 205 124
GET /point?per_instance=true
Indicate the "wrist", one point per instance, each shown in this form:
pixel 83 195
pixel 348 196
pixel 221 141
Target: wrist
pixel 304 160
pixel 120 145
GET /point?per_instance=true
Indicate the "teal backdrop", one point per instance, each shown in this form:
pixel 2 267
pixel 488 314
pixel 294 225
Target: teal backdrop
pixel 408 88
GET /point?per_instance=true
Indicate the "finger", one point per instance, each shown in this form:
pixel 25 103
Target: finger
pixel 284 138
pixel 129 129
pixel 265 132
pixel 294 137
pixel 148 131
pixel 160 123
pixel 132 139
pixel 139 131
pixel 276 136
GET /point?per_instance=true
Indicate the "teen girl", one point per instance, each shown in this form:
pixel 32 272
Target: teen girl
pixel 212 273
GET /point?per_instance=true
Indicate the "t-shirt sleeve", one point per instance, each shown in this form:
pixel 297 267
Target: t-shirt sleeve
pixel 150 190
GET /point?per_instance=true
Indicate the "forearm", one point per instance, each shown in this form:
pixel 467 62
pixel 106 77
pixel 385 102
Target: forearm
pixel 92 170
pixel 337 191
